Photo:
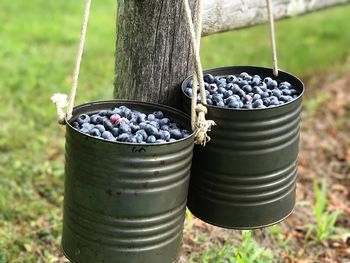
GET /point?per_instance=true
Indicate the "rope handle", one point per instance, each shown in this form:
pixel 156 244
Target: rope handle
pixel 272 37
pixel 59 99
pixel 200 125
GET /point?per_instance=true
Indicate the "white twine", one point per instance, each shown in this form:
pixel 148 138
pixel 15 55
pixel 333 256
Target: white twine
pixel 60 100
pixel 272 38
pixel 200 125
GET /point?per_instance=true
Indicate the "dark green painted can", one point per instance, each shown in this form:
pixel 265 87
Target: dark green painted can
pixel 245 177
pixel 125 202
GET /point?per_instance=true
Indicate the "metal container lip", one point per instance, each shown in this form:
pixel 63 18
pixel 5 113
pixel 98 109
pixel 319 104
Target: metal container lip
pixel 229 68
pixel 160 106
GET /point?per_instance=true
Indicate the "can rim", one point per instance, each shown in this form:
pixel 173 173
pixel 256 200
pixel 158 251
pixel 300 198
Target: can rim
pixel 161 106
pixel 228 68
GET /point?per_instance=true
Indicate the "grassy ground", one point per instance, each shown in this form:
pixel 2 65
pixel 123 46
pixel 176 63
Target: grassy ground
pixel 37 47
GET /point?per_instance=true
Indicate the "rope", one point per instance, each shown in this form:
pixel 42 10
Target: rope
pixel 272 38
pixel 60 100
pixel 200 125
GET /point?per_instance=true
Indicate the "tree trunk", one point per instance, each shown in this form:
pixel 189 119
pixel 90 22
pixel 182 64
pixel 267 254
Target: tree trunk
pixel 153 51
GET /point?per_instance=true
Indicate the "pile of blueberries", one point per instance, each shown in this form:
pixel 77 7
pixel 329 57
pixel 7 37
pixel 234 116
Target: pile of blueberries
pixel 124 125
pixel 244 91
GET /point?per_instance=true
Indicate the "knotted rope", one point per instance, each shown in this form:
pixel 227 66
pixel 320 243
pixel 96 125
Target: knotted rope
pixel 60 100
pixel 272 37
pixel 200 125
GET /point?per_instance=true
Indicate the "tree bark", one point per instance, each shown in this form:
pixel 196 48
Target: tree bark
pixel 153 51
pixel 226 15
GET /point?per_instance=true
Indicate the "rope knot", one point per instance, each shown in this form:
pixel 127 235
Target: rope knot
pixel 202 126
pixel 61 102
pixel 201 108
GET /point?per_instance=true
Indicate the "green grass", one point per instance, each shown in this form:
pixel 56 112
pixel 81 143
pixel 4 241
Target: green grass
pixel 247 251
pixel 324 227
pixel 38 41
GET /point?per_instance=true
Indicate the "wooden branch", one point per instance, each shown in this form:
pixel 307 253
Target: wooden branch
pixel 226 15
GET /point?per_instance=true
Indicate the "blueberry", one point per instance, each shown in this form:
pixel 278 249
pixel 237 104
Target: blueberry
pixel 143 133
pixel 238 98
pixel 103 113
pixel 151 117
pixel 88 126
pixel 151 139
pixel 160 141
pixel 266 101
pixel 158 114
pixel 257 96
pixel 247 88
pixel 115 132
pixel 75 125
pixel 212 88
pixel 108 125
pixel 277 93
pixel 247 106
pixel 256 81
pixel 190 84
pixel 93 118
pixel 110 113
pixel 265 95
pixel 141 117
pixel 134 128
pixel 286 83
pixel 185 133
pixel 139 138
pixel 235 89
pixel 165 128
pixel 188 92
pixel 283 87
pixel 83 118
pixel 123 121
pixel 245 76
pixel 231 78
pixel 247 98
pixel 209 102
pixel 108 136
pixel 241 93
pixel 208 78
pixel 95 132
pixel 151 130
pixel 287 92
pixel 100 127
pixel 124 128
pixel 124 137
pixel 240 104
pixel 117 111
pixel 233 104
pixel 176 134
pixel 272 84
pixel 217 98
pixel 143 125
pixel 257 103
pixel 132 139
pixel 228 93
pixel 242 82
pixel 294 91
pixel 220 104
pixel 100 120
pixel 127 113
pixel 257 90
pixel 221 90
pixel 155 124
pixel 164 135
